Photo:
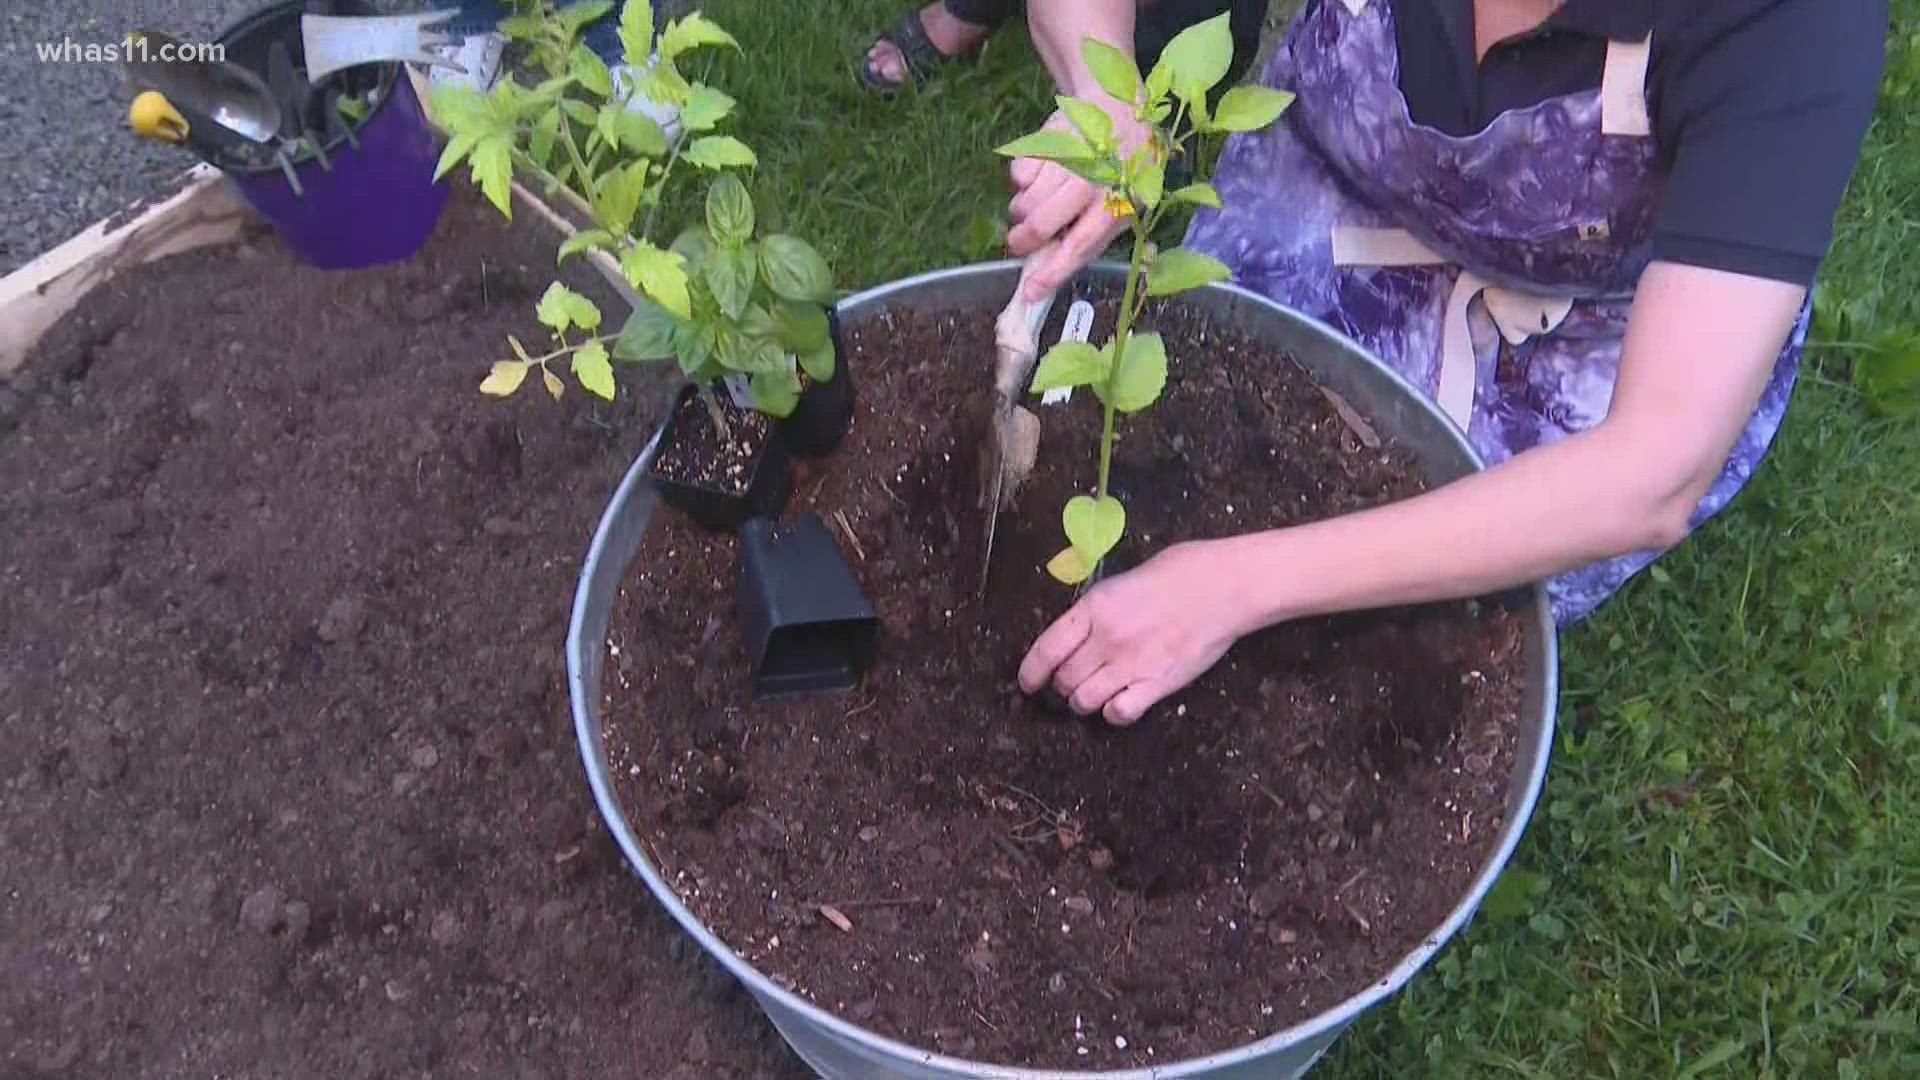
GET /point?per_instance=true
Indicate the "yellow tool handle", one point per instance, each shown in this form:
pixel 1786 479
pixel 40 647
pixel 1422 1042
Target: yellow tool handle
pixel 152 116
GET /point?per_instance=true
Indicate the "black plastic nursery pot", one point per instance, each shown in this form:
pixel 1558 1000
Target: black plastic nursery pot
pixel 807 625
pixel 722 505
pixel 825 411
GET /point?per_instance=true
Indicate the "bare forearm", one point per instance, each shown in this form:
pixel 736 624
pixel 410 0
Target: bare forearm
pixel 1058 27
pixel 1538 515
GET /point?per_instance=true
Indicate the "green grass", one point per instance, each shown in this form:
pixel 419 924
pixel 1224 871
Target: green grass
pixel 1724 875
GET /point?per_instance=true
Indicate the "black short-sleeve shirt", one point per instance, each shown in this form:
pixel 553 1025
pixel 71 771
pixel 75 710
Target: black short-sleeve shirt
pixel 1759 107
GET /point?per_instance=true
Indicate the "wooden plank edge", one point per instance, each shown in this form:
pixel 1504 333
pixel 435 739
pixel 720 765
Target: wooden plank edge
pixel 204 211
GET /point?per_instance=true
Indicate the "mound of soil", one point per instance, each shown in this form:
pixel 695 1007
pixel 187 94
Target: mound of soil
pixel 944 861
pixel 290 788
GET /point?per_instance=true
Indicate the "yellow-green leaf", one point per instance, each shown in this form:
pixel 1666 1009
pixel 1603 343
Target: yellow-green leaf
pixel 705 107
pixel 1149 178
pixel 1196 59
pixel 492 165
pixel 665 85
pixel 553 383
pixel 719 152
pixel 505 378
pixel 1250 108
pixel 1089 119
pixel 588 240
pixel 636 29
pixel 819 362
pixel 617 196
pixel 1048 145
pixel 1179 269
pixel 555 310
pixel 1070 363
pixel 546 131
pixel 1114 70
pixel 775 392
pixel 1142 373
pixel 662 275
pixel 1093 526
pixel 593 369
pixel 591 72
pixel 692 32
pixel 1197 195
pixel 1069 567
pixel 639 134
pixel 458 147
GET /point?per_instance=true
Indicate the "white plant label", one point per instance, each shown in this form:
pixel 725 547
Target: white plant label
pixel 740 391
pixel 1078 327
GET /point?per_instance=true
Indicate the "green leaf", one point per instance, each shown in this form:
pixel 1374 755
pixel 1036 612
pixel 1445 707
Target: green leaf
pixel 1142 373
pixel 581 112
pixel 1197 195
pixel 592 368
pixel 695 345
pixel 1070 363
pixel 1149 179
pixel 819 362
pixel 1249 108
pixel 729 210
pixel 1179 269
pixel 1114 70
pixel 794 270
pixel 705 107
pixel 505 378
pixel 492 167
pixel 985 235
pixel 1513 895
pixel 639 134
pixel 775 392
pixel 1093 526
pixel 1888 376
pixel 590 240
pixel 647 335
pixel 1096 171
pixel 719 152
pixel 458 147
pixel 692 32
pixel 1196 59
pixel 800 327
pixel 662 275
pixel 729 274
pixel 636 30
pixel 1070 567
pixel 546 131
pixel 617 196
pixel 665 85
pixel 1093 123
pixel 1048 145
pixel 586 66
pixel 693 245
pixel 574 16
pixel 560 309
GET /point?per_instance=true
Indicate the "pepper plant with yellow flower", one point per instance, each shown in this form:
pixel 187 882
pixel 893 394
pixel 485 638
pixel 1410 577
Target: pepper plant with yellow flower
pixel 1130 370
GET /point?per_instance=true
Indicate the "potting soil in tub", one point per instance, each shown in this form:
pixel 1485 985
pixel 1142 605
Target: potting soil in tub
pixel 289 785
pixel 956 866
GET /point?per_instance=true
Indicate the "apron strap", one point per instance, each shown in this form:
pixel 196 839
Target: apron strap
pixel 1518 316
pixel 1623 89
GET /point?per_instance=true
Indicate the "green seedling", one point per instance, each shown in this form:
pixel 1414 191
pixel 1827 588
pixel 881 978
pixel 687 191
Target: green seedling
pixel 1130 370
pixel 717 299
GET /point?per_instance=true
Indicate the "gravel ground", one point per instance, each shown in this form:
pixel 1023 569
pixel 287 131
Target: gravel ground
pixel 63 125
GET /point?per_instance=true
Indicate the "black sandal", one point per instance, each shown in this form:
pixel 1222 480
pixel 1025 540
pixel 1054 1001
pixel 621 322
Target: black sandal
pixel 922 57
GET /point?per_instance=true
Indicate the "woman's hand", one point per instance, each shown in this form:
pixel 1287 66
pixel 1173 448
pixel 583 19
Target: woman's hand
pixel 1135 638
pixel 1052 203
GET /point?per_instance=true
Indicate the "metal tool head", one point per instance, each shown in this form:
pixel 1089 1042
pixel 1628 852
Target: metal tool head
pixel 1012 440
pixel 334 42
pixel 228 94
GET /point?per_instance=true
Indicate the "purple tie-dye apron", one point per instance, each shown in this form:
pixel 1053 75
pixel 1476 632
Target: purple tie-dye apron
pixel 1513 251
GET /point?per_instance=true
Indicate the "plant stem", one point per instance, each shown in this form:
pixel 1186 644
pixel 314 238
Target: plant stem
pixel 660 189
pixel 1120 333
pixel 565 349
pixel 715 413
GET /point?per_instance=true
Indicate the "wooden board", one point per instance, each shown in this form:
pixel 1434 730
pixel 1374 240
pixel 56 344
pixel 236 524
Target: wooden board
pixel 204 210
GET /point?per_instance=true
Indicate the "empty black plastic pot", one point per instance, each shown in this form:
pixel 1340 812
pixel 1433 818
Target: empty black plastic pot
pixel 721 507
pixel 808 627
pixel 820 420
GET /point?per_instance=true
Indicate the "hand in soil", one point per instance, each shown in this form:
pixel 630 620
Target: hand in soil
pixel 1135 638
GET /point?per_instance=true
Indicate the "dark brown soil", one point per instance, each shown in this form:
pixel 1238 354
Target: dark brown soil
pixel 1029 889
pixel 289 785
pixel 697 453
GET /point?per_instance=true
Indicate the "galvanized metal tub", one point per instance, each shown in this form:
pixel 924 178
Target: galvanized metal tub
pixel 841 1050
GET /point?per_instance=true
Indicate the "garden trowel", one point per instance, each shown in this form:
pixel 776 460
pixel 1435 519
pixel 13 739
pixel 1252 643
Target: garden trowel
pixel 1012 439
pixel 333 42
